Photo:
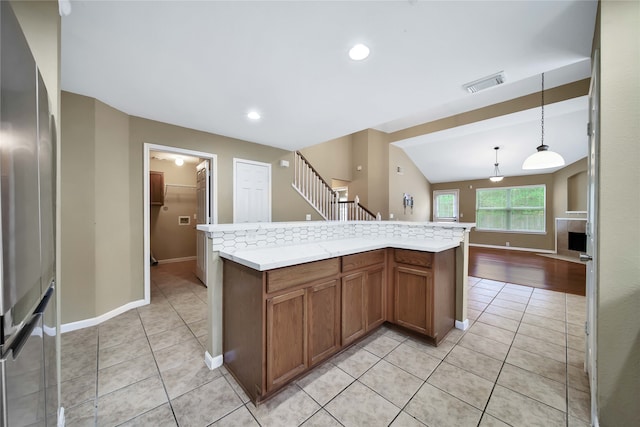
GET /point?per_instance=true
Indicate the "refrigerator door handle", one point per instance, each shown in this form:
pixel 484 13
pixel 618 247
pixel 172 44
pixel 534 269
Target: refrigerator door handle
pixel 45 299
pixel 21 338
pixel 23 335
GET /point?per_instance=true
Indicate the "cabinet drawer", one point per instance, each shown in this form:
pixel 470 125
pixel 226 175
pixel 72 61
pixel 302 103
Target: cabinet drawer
pixel 424 259
pixel 356 261
pixel 286 277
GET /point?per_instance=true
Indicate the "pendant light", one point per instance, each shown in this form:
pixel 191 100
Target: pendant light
pixel 496 172
pixel 543 158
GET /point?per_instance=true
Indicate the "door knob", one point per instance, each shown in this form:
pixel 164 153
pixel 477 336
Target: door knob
pixel 586 257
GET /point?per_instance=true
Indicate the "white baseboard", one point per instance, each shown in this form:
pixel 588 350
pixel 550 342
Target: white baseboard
pixel 80 324
pixel 513 248
pixel 212 362
pixel 172 260
pixel 61 416
pixel 462 325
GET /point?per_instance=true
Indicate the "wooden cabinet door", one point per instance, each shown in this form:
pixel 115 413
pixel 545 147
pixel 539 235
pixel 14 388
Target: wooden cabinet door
pixel 375 291
pixel 286 337
pixel 156 188
pixel 353 315
pixel 414 299
pixel 324 320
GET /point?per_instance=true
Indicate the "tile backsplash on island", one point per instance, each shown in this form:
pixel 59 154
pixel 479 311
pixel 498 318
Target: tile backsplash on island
pixel 230 237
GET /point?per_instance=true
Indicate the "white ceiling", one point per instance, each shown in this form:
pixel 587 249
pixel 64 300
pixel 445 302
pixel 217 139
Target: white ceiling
pixel 205 64
pixel 471 147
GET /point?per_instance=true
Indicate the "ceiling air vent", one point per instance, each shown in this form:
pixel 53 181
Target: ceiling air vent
pixel 485 82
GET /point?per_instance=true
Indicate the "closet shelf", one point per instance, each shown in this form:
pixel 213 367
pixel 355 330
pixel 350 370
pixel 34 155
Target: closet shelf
pixel 166 187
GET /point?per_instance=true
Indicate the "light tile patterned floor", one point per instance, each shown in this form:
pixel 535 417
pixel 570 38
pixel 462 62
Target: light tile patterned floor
pixel 519 364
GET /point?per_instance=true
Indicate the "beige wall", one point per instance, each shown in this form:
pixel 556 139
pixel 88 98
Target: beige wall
pixel 570 184
pixel 113 248
pixel 378 173
pixel 618 274
pixel 339 160
pixel 169 239
pixel 77 208
pixel 331 159
pixel 96 240
pixel 102 198
pixel 411 181
pixel 359 185
pixel 467 189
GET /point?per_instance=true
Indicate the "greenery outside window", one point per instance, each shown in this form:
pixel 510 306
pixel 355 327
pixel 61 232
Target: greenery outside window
pixel 517 209
pixel 445 205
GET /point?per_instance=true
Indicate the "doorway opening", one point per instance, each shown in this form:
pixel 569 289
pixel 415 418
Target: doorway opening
pixel 188 198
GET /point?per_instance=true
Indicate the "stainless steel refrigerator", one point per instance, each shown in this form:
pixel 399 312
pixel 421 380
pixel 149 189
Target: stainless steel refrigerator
pixel 29 380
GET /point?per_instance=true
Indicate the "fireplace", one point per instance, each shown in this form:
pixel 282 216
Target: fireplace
pixel 577 241
pixel 570 236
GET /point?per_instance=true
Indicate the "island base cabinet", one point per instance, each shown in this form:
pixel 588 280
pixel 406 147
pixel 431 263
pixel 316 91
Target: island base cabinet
pixel 279 323
pixel 413 298
pixel 375 297
pixel 353 307
pixel 424 292
pixel 324 320
pixel 363 303
pixel 286 337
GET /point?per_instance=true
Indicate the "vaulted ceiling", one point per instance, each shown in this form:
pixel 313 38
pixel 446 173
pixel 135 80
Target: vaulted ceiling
pixel 206 64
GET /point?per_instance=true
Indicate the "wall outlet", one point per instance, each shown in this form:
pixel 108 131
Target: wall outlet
pixel 308 217
pixel 461 215
pixel 508 244
pixel 390 216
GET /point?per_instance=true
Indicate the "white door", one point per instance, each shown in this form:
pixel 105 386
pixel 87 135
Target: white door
pixel 592 232
pixel 251 191
pixel 203 217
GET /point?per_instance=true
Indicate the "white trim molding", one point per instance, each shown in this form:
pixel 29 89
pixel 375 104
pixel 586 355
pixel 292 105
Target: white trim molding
pixel 212 362
pixel 147 148
pixel 462 325
pixel 61 419
pixel 81 324
pixel 513 248
pixel 172 260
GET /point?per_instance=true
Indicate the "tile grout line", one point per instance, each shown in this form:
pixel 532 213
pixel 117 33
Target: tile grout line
pixel 566 412
pixel 164 387
pixel 95 402
pixel 495 383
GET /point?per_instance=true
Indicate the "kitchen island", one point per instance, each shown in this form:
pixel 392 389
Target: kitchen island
pixel 304 291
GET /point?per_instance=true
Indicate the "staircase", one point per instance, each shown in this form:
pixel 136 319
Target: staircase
pixel 315 190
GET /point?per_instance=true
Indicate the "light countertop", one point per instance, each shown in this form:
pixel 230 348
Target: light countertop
pixel 268 258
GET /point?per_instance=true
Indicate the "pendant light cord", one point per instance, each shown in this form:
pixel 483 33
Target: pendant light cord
pixel 542 120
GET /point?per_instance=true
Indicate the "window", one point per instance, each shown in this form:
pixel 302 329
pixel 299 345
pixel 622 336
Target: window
pixel 445 205
pixel 520 209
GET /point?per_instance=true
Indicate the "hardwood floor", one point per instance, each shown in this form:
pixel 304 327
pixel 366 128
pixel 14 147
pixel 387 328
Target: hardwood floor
pixel 528 268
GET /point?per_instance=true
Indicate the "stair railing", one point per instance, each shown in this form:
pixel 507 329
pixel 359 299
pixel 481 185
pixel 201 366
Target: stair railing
pixel 315 190
pixel 319 194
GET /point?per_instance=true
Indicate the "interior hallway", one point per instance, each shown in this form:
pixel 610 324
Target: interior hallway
pixel 520 363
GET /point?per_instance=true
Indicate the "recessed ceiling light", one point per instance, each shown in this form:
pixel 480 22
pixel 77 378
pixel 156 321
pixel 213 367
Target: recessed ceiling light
pixel 359 52
pixel 253 115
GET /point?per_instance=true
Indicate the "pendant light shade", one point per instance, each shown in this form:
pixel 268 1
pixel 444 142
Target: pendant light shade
pixel 496 171
pixel 543 158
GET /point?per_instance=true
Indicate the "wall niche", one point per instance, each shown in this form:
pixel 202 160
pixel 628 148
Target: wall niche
pixel 577 187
